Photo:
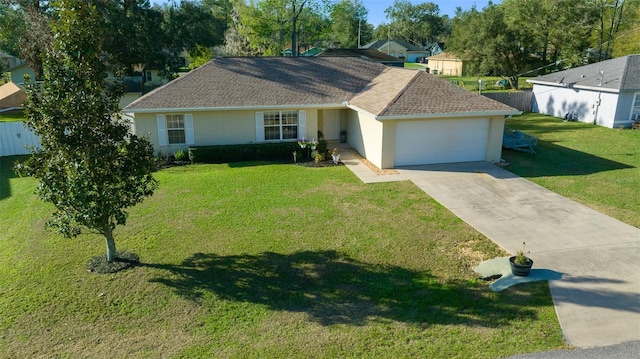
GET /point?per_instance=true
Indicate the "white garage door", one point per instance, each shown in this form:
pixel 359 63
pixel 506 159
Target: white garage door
pixel 441 141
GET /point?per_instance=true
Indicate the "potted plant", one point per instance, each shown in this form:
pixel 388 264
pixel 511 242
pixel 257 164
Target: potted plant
pixel 520 263
pixel 313 144
pixel 335 155
pixel 302 143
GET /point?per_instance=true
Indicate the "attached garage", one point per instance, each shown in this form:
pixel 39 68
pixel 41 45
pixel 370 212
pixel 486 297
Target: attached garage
pixel 441 141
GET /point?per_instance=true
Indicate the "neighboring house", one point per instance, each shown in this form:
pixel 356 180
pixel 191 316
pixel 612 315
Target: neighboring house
pixel 9 61
pixel 18 72
pixel 398 48
pixel 310 52
pixel 368 54
pixel 446 64
pixel 606 93
pixel 11 96
pixel 393 117
pixel 435 49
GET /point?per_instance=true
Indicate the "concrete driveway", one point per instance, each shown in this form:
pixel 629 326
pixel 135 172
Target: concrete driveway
pixel 598 298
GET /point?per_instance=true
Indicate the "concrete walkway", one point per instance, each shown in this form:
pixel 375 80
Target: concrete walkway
pixel 598 298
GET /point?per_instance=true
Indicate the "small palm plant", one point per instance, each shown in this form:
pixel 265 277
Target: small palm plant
pixel 521 256
pixel 520 263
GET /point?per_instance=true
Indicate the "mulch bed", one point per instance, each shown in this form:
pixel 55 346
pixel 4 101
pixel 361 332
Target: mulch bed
pixel 327 163
pixel 123 260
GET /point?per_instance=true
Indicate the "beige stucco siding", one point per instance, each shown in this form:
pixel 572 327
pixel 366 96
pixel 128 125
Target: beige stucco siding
pixel 365 135
pixel 216 128
pixel 494 139
pixel 393 49
pixel 329 124
pixel 452 67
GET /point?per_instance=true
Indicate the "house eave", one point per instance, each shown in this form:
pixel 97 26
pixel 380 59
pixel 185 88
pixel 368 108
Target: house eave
pixel 437 115
pixel 575 86
pixel 234 108
pixel 595 88
pixel 449 115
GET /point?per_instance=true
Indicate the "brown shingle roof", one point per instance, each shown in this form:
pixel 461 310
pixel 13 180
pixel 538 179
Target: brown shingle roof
pixel 301 81
pixel 383 90
pixel 255 82
pixel 430 95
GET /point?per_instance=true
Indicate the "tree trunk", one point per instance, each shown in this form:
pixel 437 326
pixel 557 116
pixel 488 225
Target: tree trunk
pixel 294 39
pixel 111 245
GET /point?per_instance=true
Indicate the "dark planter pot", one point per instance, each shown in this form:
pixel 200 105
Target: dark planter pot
pixel 518 269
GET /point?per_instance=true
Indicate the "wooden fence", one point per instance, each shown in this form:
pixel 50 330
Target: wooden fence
pixel 14 139
pixel 518 100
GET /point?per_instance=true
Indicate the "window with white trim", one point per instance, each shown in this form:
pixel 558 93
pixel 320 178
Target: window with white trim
pixel 176 129
pixel 280 125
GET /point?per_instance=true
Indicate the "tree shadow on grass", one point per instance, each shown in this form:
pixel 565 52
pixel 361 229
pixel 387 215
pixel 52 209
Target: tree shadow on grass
pixel 554 160
pixel 6 173
pixel 335 289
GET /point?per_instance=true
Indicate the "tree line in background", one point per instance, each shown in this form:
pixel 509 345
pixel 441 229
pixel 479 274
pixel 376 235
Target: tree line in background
pixel 507 39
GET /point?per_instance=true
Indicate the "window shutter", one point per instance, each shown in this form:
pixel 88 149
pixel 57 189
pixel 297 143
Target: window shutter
pixel 163 139
pixel 259 126
pixel 189 133
pixel 302 124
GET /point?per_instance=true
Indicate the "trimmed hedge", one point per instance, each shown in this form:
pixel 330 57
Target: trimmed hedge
pixel 248 152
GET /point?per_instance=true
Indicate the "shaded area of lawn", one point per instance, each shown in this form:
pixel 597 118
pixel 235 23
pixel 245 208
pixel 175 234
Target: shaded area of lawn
pixel 7 173
pixel 332 288
pixel 552 159
pixel 594 165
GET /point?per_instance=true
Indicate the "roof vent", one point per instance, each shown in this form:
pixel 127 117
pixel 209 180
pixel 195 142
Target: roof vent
pixel 600 77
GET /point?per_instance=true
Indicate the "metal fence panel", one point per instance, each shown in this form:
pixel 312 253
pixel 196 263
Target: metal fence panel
pixel 518 100
pixel 15 138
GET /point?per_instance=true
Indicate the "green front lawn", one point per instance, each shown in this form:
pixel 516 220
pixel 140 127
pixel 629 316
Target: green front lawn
pixel 263 260
pixel 593 165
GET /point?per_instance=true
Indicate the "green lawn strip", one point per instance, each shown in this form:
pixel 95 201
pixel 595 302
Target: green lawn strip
pixel 264 260
pixel 11 117
pixel 489 83
pixel 593 165
pixel 411 65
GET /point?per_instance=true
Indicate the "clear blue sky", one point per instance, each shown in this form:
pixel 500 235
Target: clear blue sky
pixel 447 7
pixel 376 7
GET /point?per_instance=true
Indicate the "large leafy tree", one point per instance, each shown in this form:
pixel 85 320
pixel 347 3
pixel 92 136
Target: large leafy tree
pixel 418 24
pixel 270 25
pixel 235 41
pixel 191 27
pixel 628 40
pixel 615 19
pixel 134 36
pixel 487 45
pixel 90 166
pixel 348 21
pixel 551 30
pixel 13 23
pixel 137 35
